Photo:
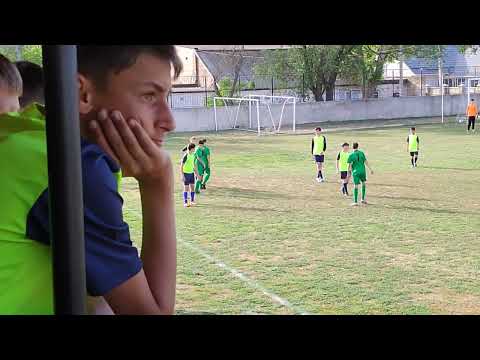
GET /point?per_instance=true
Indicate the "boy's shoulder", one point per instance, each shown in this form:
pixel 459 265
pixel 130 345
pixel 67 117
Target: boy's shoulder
pixel 98 169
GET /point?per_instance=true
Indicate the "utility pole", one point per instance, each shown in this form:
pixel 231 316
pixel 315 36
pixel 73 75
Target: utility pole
pixel 400 82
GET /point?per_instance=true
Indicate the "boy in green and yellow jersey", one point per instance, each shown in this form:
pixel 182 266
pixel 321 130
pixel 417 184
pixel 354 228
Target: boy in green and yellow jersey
pixel 342 167
pixel 188 168
pixel 413 145
pixel 319 146
pixel 357 162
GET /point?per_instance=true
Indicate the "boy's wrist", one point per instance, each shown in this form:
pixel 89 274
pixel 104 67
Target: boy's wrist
pixel 158 183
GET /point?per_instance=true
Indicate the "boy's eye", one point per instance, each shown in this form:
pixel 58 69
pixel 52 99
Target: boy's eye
pixel 149 97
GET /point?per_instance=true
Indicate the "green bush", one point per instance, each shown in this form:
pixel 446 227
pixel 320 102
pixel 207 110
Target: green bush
pixel 31 53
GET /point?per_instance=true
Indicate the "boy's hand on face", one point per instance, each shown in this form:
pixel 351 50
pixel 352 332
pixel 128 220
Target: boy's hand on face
pixel 129 144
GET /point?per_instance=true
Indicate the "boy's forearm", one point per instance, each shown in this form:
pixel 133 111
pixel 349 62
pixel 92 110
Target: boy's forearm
pixel 159 253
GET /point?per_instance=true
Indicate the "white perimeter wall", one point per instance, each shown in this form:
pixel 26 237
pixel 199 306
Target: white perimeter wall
pixel 202 119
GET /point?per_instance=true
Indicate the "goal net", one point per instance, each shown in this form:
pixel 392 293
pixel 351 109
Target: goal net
pixel 236 114
pixel 280 110
pixel 262 114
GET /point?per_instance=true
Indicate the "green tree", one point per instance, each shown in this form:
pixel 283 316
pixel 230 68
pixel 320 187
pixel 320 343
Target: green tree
pixel 366 63
pixel 318 67
pixel 31 53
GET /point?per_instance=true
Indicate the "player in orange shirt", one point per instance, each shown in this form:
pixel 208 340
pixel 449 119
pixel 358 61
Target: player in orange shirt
pixel 472 112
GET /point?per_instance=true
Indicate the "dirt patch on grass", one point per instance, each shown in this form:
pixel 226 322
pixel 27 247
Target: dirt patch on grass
pixel 445 301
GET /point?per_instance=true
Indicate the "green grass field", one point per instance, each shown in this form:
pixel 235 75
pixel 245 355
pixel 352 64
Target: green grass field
pixel 265 238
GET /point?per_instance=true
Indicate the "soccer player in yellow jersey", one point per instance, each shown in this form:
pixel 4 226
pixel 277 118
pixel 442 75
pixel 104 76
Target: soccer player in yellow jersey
pixel 413 146
pixel 319 146
pixel 342 167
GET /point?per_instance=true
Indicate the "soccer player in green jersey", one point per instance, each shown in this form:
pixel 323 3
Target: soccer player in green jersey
pixel 208 165
pixel 342 167
pixel 357 162
pixel 319 146
pixel 413 146
pixel 201 162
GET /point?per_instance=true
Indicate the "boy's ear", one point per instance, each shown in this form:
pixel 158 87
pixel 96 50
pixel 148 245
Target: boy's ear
pixel 85 94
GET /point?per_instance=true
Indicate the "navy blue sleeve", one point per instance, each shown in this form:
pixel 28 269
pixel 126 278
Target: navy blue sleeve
pixel 111 258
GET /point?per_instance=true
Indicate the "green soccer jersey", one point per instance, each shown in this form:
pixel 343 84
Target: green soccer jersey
pixel 357 159
pixel 207 154
pixel 202 154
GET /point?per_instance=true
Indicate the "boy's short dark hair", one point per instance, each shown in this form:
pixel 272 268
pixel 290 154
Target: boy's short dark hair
pixel 33 83
pixel 204 141
pixel 10 78
pixel 191 146
pixel 412 128
pixel 318 129
pixel 201 142
pixel 98 62
pixel 345 144
pixel 472 99
pixel 355 146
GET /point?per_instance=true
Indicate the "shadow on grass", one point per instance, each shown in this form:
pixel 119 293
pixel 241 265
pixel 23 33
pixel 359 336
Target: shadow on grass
pixel 246 208
pixel 182 312
pixel 246 193
pixel 448 168
pixel 399 198
pixel 432 210
pixel 369 184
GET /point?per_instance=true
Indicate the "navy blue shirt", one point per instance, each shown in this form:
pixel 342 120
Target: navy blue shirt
pixel 110 256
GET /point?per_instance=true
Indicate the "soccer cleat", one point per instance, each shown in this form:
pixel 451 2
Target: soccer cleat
pixel 364 202
pixel 203 187
pixel 322 180
pixel 346 194
pixel 318 180
pixel 354 204
pixel 186 205
pixel 193 203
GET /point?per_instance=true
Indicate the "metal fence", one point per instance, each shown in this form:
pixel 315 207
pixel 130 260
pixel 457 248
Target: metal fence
pixel 198 91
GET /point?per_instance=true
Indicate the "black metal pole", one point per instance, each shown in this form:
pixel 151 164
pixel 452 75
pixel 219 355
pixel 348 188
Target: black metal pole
pixel 421 82
pixel 206 90
pixel 65 179
pixel 272 88
pixel 303 87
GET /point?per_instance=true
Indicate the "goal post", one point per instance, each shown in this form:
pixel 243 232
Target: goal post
pixel 284 100
pixel 235 114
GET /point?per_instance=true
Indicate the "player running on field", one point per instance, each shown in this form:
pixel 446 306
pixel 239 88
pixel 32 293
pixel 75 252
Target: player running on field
pixel 413 146
pixel 342 167
pixel 357 162
pixel 319 146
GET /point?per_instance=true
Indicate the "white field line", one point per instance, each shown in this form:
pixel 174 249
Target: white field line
pixel 236 273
